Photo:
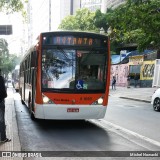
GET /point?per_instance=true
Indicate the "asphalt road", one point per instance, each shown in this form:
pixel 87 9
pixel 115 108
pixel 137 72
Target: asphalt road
pixel 116 132
pixel 136 116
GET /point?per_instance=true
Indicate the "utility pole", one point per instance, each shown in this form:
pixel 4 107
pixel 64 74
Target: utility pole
pixel 49 15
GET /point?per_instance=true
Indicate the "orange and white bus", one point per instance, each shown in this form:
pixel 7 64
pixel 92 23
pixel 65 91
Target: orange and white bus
pixel 66 75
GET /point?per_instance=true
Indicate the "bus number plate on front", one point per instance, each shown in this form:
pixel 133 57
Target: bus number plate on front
pixel 72 109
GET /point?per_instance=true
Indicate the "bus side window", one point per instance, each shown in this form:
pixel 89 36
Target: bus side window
pixel 34 59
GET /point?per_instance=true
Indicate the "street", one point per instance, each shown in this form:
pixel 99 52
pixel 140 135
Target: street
pixel 137 130
pixel 136 116
pixel 91 68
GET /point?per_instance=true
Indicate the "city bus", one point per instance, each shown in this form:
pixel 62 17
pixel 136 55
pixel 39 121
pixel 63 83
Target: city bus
pixel 66 75
pixel 15 78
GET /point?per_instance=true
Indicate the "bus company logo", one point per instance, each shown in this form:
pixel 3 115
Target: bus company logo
pixel 6 154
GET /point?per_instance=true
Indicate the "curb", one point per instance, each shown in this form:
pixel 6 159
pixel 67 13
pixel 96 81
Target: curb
pixel 136 99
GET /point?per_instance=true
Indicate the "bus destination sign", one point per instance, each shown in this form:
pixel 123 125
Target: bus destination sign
pixel 71 40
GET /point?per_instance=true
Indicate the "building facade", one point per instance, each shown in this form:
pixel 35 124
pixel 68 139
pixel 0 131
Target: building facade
pixel 17 39
pixel 114 3
pixel 46 15
pixel 145 67
pixel 92 5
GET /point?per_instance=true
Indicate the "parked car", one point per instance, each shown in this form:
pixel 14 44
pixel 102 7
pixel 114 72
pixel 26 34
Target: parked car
pixel 156 100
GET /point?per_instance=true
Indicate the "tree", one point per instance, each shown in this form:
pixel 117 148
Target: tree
pixel 100 20
pixel 7 61
pixel 69 23
pixel 83 20
pixel 136 21
pixel 4 47
pixel 142 23
pixel 4 52
pixel 11 6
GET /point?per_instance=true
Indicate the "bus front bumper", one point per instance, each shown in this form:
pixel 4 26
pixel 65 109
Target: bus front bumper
pixel 50 111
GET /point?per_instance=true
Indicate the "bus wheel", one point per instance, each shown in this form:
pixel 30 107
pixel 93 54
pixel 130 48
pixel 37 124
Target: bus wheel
pixel 22 102
pixel 31 112
pixel 20 91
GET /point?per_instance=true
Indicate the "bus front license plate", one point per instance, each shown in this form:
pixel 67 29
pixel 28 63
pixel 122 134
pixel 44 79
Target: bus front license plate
pixel 72 109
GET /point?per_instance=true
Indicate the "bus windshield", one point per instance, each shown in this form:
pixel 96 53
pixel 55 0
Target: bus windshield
pixel 69 69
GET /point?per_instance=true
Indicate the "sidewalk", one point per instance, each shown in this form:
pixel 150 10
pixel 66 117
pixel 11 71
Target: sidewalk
pixel 138 94
pixel 11 127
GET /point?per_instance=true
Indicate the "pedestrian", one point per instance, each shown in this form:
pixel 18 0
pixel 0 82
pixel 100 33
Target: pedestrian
pixel 3 95
pixel 128 81
pixel 136 80
pixel 114 82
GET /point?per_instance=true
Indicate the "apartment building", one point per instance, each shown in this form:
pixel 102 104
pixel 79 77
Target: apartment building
pixel 46 15
pixel 92 5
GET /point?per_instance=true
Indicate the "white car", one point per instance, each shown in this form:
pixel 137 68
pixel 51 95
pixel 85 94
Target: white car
pixel 156 100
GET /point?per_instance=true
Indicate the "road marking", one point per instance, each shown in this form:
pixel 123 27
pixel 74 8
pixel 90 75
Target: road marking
pixel 116 127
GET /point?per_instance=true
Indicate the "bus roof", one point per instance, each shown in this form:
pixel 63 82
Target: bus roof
pixel 74 33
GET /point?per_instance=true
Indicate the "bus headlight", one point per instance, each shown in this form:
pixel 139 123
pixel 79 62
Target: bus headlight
pixel 46 100
pixel 98 101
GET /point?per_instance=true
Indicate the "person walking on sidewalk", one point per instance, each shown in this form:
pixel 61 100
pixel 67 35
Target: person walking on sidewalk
pixel 3 95
pixel 114 82
pixel 136 78
pixel 128 81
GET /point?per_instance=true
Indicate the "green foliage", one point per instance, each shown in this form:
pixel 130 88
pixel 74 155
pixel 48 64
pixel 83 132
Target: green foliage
pixel 83 20
pixel 7 61
pixel 136 21
pixel 100 20
pixel 4 48
pixel 10 6
pixel 69 23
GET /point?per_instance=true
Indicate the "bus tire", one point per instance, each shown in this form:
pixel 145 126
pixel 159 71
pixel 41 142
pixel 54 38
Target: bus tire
pixel 22 102
pixel 30 105
pixel 32 116
pixel 20 92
